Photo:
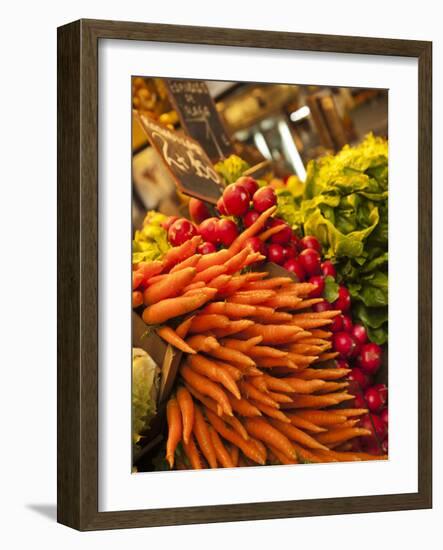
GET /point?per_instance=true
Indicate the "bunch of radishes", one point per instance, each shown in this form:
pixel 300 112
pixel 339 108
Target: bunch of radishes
pixel 240 205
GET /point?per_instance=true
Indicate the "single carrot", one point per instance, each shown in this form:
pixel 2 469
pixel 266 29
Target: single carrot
pixel 177 254
pixel 175 429
pixel 271 231
pixel 234 372
pixel 270 412
pixel 149 269
pixel 277 384
pixel 205 367
pixel 330 387
pixel 328 314
pixel 272 334
pixel 200 342
pixel 236 262
pixel 311 401
pixel 266 351
pixel 321 418
pixel 310 323
pixel 259 383
pixel 233 285
pixel 250 391
pixel 204 322
pixel 186 404
pixel 271 362
pixel 232 356
pixel 252 258
pixel 169 287
pixel 215 258
pixel 304 304
pixel 246 447
pixel 219 282
pixel 301 386
pixel 234 452
pixel 304 424
pixel 243 407
pixel 269 284
pixel 304 455
pixel 283 301
pixel 280 397
pixel 206 387
pixel 251 297
pixel 174 307
pixel 301 289
pixel 137 298
pixel 203 437
pixel 323 357
pixel 309 341
pixel 281 457
pixel 230 310
pixel 223 456
pixel 234 327
pixel 325 374
pixel 274 318
pixel 156 279
pixel 295 434
pixel 137 279
pixel 241 345
pixel 320 333
pixel 340 435
pixel 192 454
pixel 300 359
pixel 193 286
pixel 183 327
pixel 264 431
pixel 350 412
pixel 306 349
pixel 192 261
pixel 252 230
pixel 169 335
pixel 210 273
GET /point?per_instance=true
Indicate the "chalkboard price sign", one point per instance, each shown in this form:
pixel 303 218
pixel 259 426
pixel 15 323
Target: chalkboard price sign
pixel 199 116
pixel 186 160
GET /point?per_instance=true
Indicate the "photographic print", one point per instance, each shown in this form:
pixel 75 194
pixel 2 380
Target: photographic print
pixel 259 274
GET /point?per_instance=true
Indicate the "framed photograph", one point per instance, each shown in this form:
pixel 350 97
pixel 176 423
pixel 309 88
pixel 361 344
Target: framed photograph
pixel 244 275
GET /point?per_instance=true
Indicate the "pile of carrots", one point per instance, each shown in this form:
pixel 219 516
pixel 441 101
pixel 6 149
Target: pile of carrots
pixel 256 384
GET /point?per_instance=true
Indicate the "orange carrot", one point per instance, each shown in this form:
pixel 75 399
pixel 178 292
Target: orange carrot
pixel 223 457
pixel 193 286
pixel 264 431
pixel 233 328
pixel 311 401
pixel 174 307
pixel 325 374
pixel 300 359
pixel 304 424
pixel 204 322
pixel 206 387
pixel 233 451
pixel 200 342
pixel 242 345
pixel 266 351
pixel 288 301
pixel 270 411
pixel 271 231
pixel 328 314
pixel 269 284
pixel 280 397
pixel 230 310
pixel 277 384
pixel 169 335
pixel 211 370
pixel 236 262
pixel 137 298
pixel 193 455
pixel 175 429
pixel 326 357
pixel 233 284
pixel 210 273
pixel 215 258
pixel 243 407
pixel 183 327
pixel 281 457
pixel 272 334
pixel 351 412
pixel 149 269
pixel 311 323
pixel 294 434
pixel 170 286
pixel 219 282
pixel 250 391
pixel 192 261
pixel 340 435
pixel 186 405
pixel 179 253
pixel 203 437
pixel 304 455
pixel 137 279
pixel 304 386
pixel 322 418
pixel 232 356
pixel 274 318
pixel 252 230
pixel 251 297
pixel 271 362
pixel 304 304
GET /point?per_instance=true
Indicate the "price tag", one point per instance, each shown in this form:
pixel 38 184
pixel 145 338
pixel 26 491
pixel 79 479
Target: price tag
pixel 186 160
pixel 199 116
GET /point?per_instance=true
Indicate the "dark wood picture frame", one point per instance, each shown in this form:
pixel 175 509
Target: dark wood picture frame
pixel 77 481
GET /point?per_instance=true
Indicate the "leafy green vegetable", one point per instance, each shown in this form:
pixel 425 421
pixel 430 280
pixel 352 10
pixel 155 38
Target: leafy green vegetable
pixel 231 168
pixel 145 380
pixel 150 242
pixel 330 293
pixel 345 205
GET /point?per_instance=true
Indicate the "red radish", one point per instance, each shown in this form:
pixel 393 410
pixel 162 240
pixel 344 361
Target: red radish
pixel 168 222
pixel 310 242
pixel 342 364
pixel 295 267
pixel 256 245
pixel 343 343
pixel 226 231
pixel 370 357
pixel 319 283
pixel 384 415
pixel 382 390
pixel 275 253
pixel 206 248
pixel 359 333
pixel 375 424
pixel 289 252
pixel 347 323
pixel 361 378
pixel 356 445
pixel 385 445
pixel 180 231
pixel 321 306
pixel 295 242
pixel 374 399
pixel 264 198
pixel 343 301
pixel 236 199
pixel 284 235
pixel 250 217
pixel 337 324
pixel 310 261
pixel 221 207
pixel 250 184
pixel 359 401
pixel 370 445
pixel 208 230
pixel 328 269
pixel 198 210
